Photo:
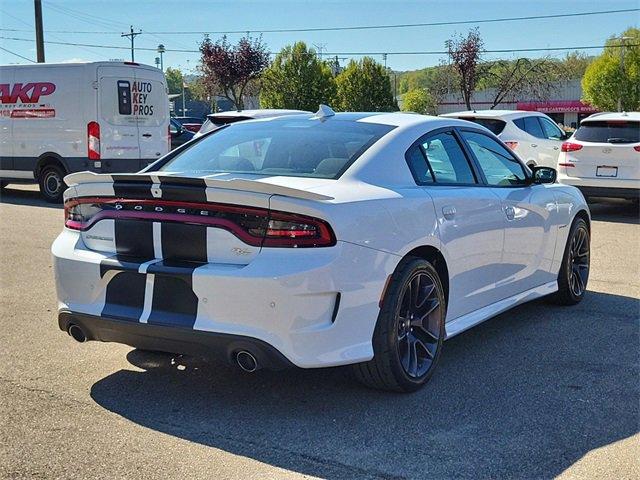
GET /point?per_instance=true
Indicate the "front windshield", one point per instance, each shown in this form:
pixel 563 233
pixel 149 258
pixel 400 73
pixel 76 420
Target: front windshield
pixel 292 147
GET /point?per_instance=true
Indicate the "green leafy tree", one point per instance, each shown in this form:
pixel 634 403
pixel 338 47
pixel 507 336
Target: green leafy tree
pixel 419 100
pixel 297 79
pixel 608 81
pixel 174 80
pixel 364 86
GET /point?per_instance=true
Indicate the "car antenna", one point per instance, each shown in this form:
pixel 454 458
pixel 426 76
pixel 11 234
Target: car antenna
pixel 324 111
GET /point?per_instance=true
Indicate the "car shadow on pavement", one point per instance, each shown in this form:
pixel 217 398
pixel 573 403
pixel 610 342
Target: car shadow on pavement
pixel 613 210
pixel 29 196
pixel 525 395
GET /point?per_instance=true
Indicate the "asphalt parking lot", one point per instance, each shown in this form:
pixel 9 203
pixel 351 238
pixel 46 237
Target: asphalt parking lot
pixel 538 392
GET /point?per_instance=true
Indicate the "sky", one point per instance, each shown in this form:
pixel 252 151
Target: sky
pixel 103 22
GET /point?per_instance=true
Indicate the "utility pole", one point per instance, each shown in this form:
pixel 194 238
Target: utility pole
pixel 132 35
pixel 37 4
pixel 161 51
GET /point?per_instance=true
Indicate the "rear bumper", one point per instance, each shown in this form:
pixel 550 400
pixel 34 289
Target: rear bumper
pixel 603 187
pixel 173 339
pixel 317 307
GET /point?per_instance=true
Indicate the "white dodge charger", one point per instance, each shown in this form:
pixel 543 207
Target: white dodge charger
pixel 318 240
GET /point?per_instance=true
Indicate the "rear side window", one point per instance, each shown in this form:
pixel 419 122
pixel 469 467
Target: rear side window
pixel 495 126
pixel 530 125
pixel 609 132
pixel 439 158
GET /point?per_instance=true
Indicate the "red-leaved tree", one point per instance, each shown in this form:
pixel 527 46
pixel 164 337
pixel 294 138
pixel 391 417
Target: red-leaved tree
pixel 465 56
pixel 229 69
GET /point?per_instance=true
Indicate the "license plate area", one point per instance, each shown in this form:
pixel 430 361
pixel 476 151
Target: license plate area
pixel 606 171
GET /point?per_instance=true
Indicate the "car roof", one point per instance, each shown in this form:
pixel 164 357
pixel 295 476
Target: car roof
pixel 621 116
pixel 260 113
pixel 400 120
pixel 498 114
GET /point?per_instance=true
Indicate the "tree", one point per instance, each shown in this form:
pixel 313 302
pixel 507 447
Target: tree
pixel 523 77
pixel 297 79
pixel 419 100
pixel 174 80
pixel 465 56
pixel 229 69
pixel 608 83
pixel 364 86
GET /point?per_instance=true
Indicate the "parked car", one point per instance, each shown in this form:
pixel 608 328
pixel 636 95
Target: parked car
pixel 602 158
pixel 179 134
pixel 192 124
pixel 220 119
pixel 56 119
pixel 532 135
pixel 319 240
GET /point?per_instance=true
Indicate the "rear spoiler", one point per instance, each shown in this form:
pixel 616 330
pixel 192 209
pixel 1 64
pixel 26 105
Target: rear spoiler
pixel 240 184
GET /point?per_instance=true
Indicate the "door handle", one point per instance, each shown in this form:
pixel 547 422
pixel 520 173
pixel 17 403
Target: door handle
pixel 555 148
pixel 146 135
pixel 534 145
pixel 449 211
pixel 510 212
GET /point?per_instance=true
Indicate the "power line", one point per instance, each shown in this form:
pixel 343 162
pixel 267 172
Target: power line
pixel 355 54
pixel 17 54
pixel 402 25
pixel 97 20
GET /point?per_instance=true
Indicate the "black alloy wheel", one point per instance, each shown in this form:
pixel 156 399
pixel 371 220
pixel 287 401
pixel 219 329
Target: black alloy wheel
pixel 574 271
pixel 418 325
pixel 409 332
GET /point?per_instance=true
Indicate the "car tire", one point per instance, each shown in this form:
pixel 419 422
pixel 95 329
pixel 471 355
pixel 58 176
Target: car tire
pixel 574 270
pixel 51 181
pixel 407 348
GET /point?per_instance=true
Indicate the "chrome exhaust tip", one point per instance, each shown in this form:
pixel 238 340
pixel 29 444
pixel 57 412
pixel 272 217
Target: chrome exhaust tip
pixel 77 333
pixel 246 361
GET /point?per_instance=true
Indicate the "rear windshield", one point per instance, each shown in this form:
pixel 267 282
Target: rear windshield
pixel 495 126
pixel 611 132
pixel 296 148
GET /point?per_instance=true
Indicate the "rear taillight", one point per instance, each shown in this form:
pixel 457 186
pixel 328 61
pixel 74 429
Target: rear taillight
pixel 93 140
pixel 566 165
pixel 570 147
pixel 637 148
pixel 255 226
pixel 169 137
pixel 511 145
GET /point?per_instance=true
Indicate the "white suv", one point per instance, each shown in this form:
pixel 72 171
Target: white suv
pixel 602 158
pixel 532 135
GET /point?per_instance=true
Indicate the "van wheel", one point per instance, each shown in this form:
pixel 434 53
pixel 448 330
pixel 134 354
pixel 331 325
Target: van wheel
pixel 52 186
pixel 409 332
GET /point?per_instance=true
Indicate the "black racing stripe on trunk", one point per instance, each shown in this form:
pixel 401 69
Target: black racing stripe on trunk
pixel 121 263
pixel 125 296
pixel 184 193
pixel 182 241
pixel 139 190
pixel 174 302
pixel 134 238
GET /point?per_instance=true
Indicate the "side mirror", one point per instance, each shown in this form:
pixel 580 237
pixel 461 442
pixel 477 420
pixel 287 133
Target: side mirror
pixel 544 175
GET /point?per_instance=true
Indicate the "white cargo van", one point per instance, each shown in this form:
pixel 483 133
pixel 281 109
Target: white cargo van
pixel 61 118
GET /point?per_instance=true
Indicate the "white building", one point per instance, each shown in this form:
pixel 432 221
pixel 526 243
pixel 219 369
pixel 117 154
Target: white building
pixel 564 104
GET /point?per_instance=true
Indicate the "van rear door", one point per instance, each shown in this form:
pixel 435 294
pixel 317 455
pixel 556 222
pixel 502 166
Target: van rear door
pixel 151 109
pixel 119 135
